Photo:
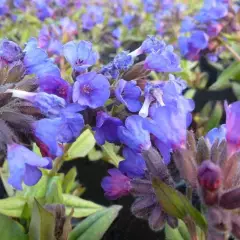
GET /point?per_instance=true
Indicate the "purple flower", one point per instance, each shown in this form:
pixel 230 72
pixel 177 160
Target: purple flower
pixel 133 135
pixel 190 47
pixel 19 4
pixel 91 90
pixel 149 5
pixel 50 105
pixel 56 85
pixel 110 71
pixel 133 165
pixel 49 39
pixel 152 44
pixel 214 28
pixel 187 25
pixel 43 9
pixel 165 93
pixel 211 11
pixel 130 20
pixel 68 27
pixel 123 61
pixel 116 185
pixel 37 61
pixel 106 128
pixel 232 126
pixel 9 51
pixel 53 132
pixel 46 131
pixel 23 166
pixel 163 61
pixel 128 93
pixel 169 123
pixel 94 15
pixel 80 55
pixel 216 133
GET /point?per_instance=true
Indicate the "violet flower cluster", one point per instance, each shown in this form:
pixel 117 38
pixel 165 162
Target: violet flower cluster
pixel 202 33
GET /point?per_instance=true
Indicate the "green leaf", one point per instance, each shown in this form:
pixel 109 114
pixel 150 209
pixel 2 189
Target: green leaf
pixel 81 147
pixel 11 230
pixel 229 73
pixel 95 155
pixel 12 206
pixel 176 204
pixel 69 180
pixel 42 224
pixel 7 186
pixel 94 227
pixel 179 233
pixel 82 208
pixel 236 89
pixel 215 117
pixel 109 152
pixel 54 190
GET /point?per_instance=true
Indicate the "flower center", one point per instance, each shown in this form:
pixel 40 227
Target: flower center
pixel 86 89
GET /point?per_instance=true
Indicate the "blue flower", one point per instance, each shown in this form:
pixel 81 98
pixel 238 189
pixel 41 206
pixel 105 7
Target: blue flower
pixel 63 129
pixel 165 93
pixel 133 135
pixel 110 71
pixel 116 185
pixel 91 90
pixel 187 25
pixel 37 62
pixel 23 166
pixel 123 61
pixel 106 128
pixel 80 55
pixel 128 93
pixel 55 85
pixel 49 104
pixel 9 51
pixel 163 61
pixel 217 133
pixel 94 15
pixel 133 164
pixel 43 9
pixel 169 124
pixel 149 5
pixel 190 47
pixel 46 131
pixel 152 44
pixel 130 20
pixel 211 11
pixel 68 27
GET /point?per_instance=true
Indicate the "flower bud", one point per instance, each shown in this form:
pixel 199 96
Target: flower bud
pixel 62 222
pixel 230 199
pixel 210 180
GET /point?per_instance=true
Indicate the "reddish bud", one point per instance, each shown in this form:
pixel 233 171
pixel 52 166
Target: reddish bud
pixel 209 176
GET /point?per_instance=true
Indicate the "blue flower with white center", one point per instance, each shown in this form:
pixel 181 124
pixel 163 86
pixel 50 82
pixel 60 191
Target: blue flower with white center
pixel 91 90
pixel 80 55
